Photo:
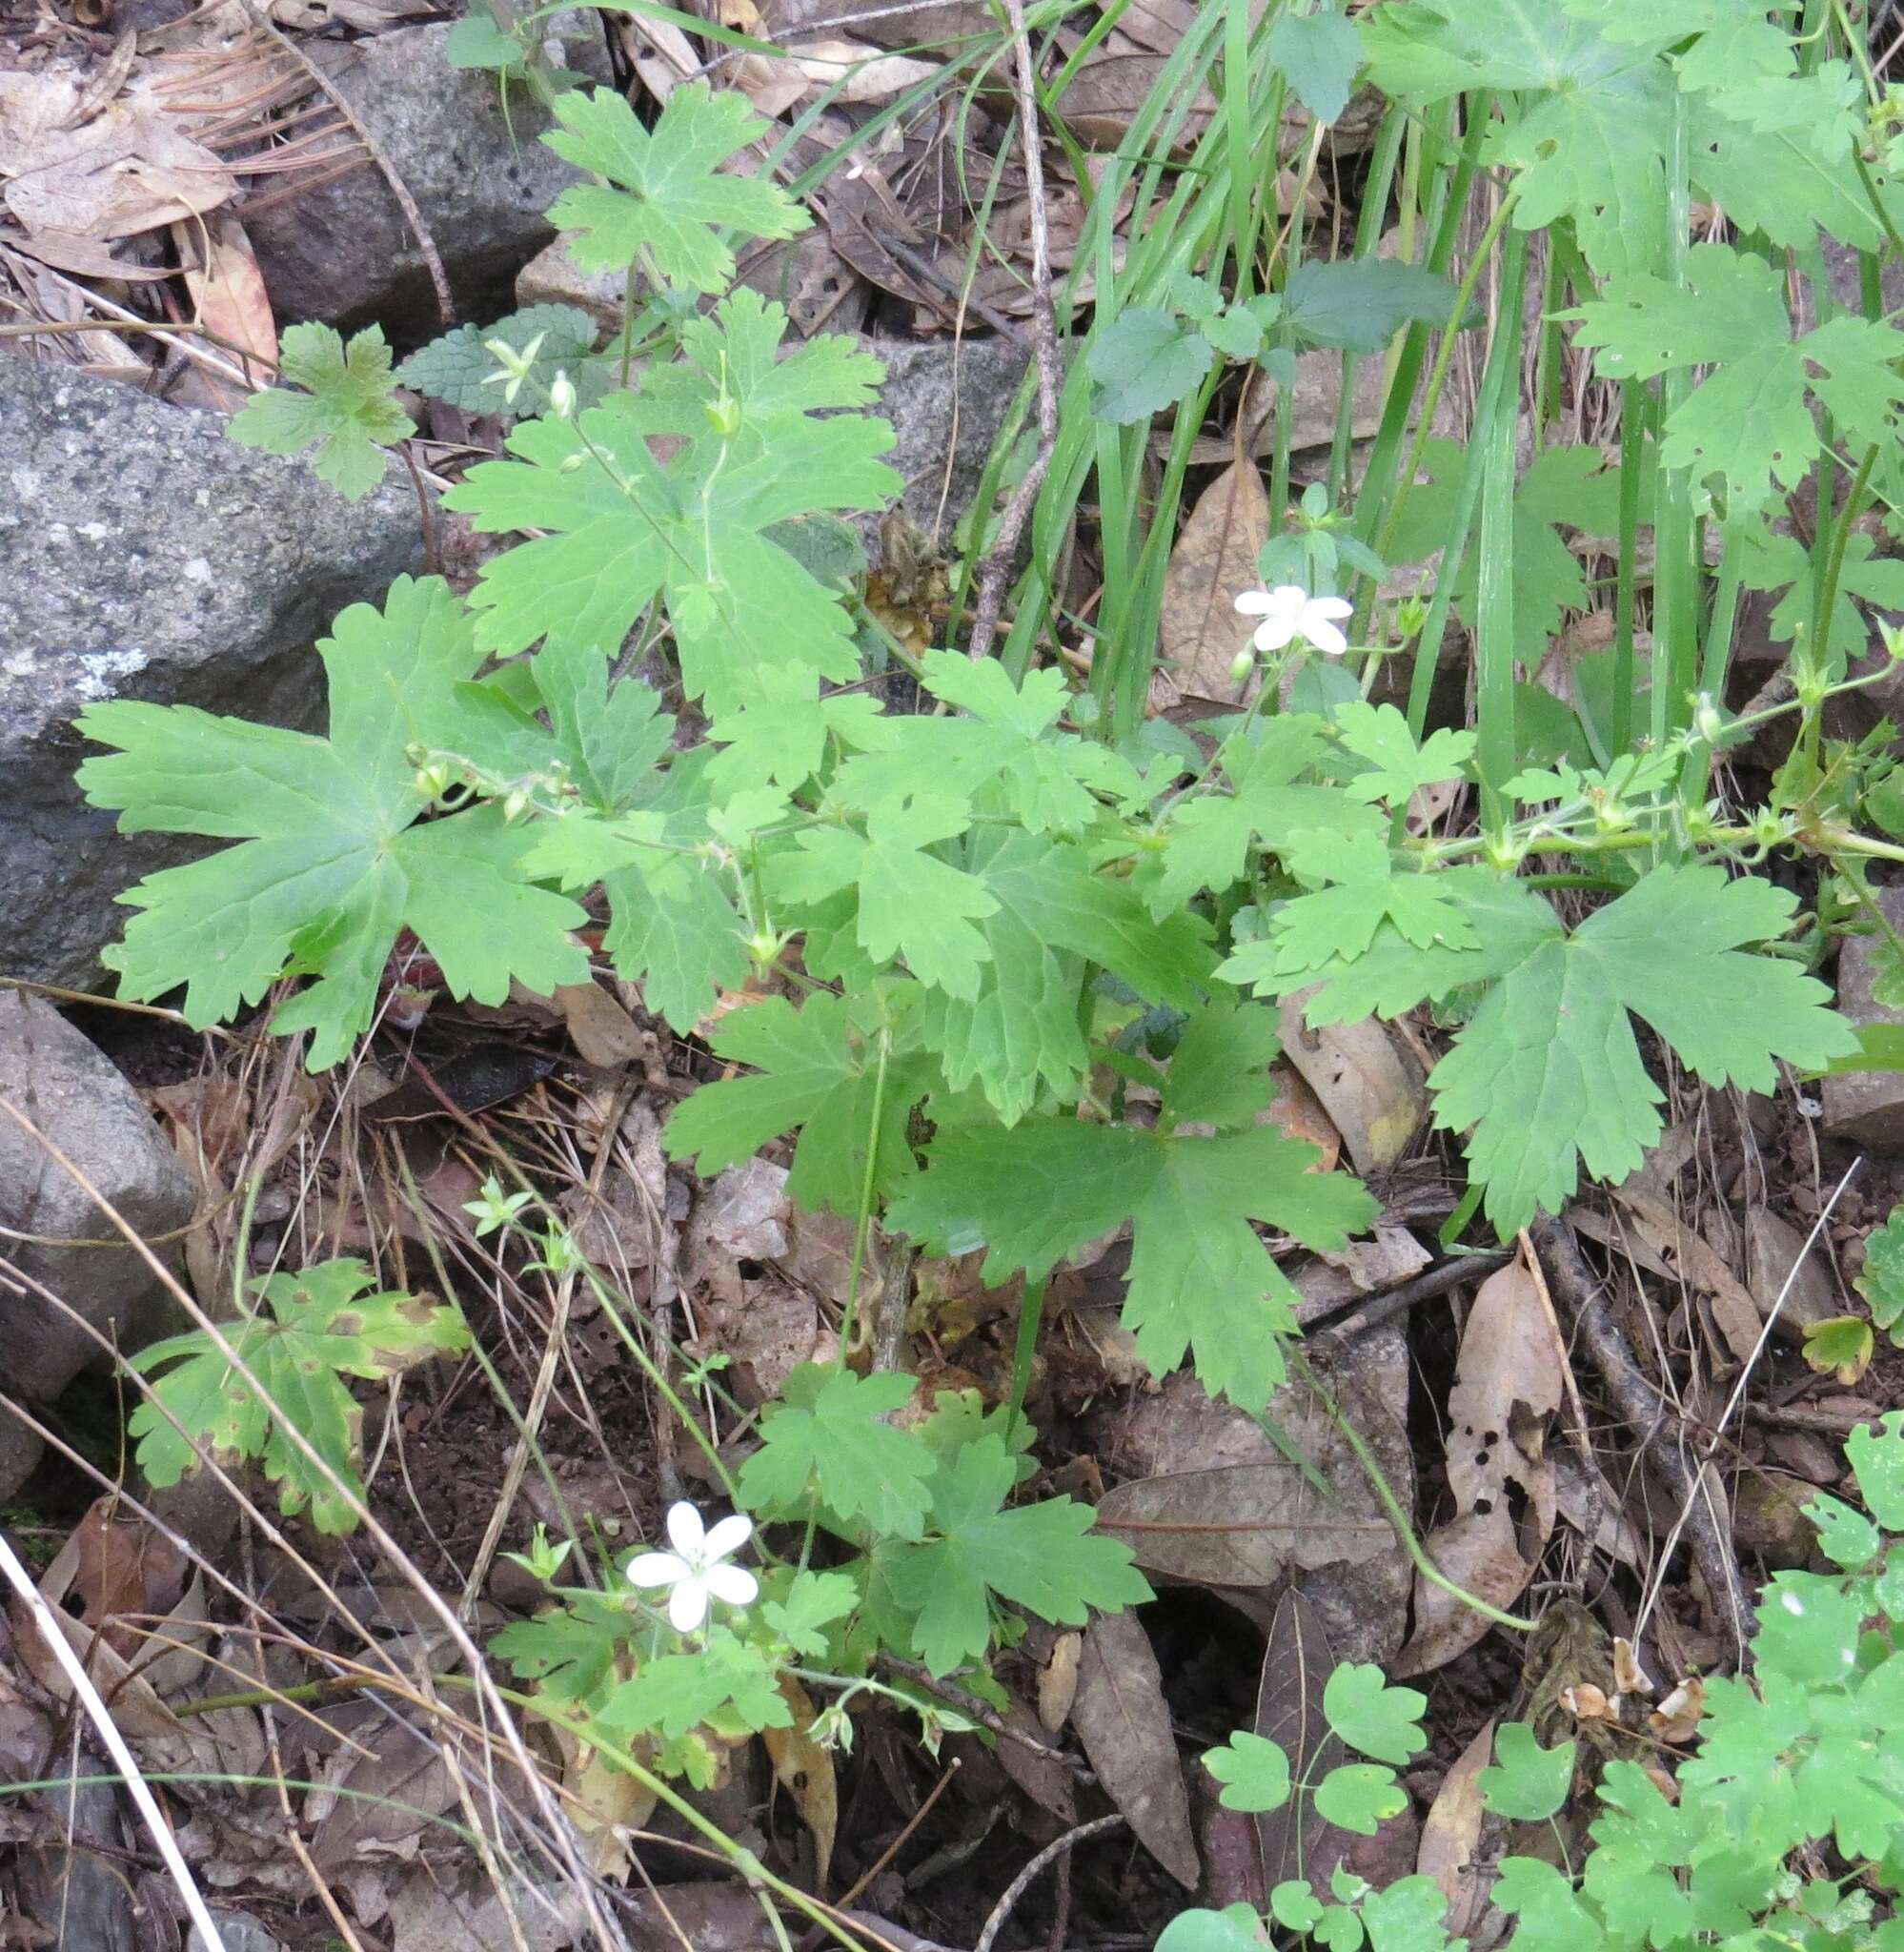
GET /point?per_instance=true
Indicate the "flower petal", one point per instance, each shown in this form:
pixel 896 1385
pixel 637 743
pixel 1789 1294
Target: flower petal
pixel 686 1534
pixel 657 1569
pixel 1326 638
pixel 1327 607
pixel 726 1537
pixel 1253 603
pixel 734 1584
pixel 687 1605
pixel 1274 633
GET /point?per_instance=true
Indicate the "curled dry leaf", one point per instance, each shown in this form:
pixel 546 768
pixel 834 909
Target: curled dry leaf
pixel 1507 1389
pixel 804 1769
pixel 1452 1830
pixel 1125 1724
pixel 1677 1719
pixel 1365 1082
pixel 1215 557
pixel 1058 1681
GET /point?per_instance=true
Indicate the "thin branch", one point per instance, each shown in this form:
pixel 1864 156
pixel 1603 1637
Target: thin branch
pixel 1044 345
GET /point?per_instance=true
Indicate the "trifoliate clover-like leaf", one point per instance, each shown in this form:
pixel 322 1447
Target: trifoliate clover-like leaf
pixel 1254 1772
pixel 1370 1715
pixel 332 863
pixel 1528 1784
pixel 825 1439
pixel 348 411
pixel 1199 1275
pixel 817 1069
pixel 622 529
pixel 459 368
pixel 311 1331
pixel 670 196
pixel 1360 1796
pixel 1043 1557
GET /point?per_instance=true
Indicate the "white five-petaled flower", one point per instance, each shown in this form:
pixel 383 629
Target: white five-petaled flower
pixel 693 1572
pixel 1289 612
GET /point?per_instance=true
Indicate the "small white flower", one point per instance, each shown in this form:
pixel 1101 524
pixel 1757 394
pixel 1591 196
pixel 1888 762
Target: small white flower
pixel 693 1571
pixel 1289 612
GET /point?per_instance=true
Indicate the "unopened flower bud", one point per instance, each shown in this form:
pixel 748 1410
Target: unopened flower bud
pixel 723 415
pixel 562 396
pixel 1241 666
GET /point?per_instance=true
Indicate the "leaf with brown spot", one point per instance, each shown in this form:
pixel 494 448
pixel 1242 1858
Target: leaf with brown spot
pixel 804 1770
pixel 1125 1724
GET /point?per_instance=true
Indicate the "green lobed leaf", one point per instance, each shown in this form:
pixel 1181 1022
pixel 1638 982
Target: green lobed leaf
pixel 1881 1278
pixel 1360 1796
pixel 1143 362
pixel 825 1438
pixel 622 529
pixel 668 194
pixel 1041 1556
pixel 817 1069
pixel 1361 303
pixel 348 411
pixel 1319 54
pixel 332 863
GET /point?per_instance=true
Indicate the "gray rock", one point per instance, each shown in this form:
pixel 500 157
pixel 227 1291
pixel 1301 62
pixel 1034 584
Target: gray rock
pixel 1867 1108
pixel 947 398
pixel 19 1451
pixel 78 1101
pixel 1776 1257
pixel 344 252
pixel 144 554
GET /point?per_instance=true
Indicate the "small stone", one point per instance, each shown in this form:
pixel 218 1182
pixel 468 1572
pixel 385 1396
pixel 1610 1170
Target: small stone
pixel 1867 1108
pixel 1774 1250
pixel 19 1451
pixel 344 252
pixel 77 1102
pixel 143 555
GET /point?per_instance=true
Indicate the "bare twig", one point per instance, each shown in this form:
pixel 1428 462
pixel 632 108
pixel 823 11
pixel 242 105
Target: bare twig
pixel 1021 1884
pixel 1638 1400
pixel 1044 345
pixel 1324 1336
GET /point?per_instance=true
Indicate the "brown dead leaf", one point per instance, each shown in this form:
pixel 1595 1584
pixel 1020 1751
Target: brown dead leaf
pixel 119 1567
pixel 1058 1681
pixel 1236 1525
pixel 1297 1113
pixel 603 1802
pixel 1677 1719
pixel 1364 1081
pixel 1689 1256
pixel 1125 1724
pixel 1452 1830
pixel 1508 1388
pixel 1297 1660
pixel 804 1769
pixel 228 294
pixel 602 1032
pixel 1215 557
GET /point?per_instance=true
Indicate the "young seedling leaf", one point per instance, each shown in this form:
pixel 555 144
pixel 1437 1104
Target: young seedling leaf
pixel 1370 1716
pixel 1254 1772
pixel 459 370
pixel 1360 1796
pixel 347 411
pixel 1143 362
pixel 825 1438
pixel 1319 53
pixel 1528 1783
pixel 1041 1556
pixel 312 1330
